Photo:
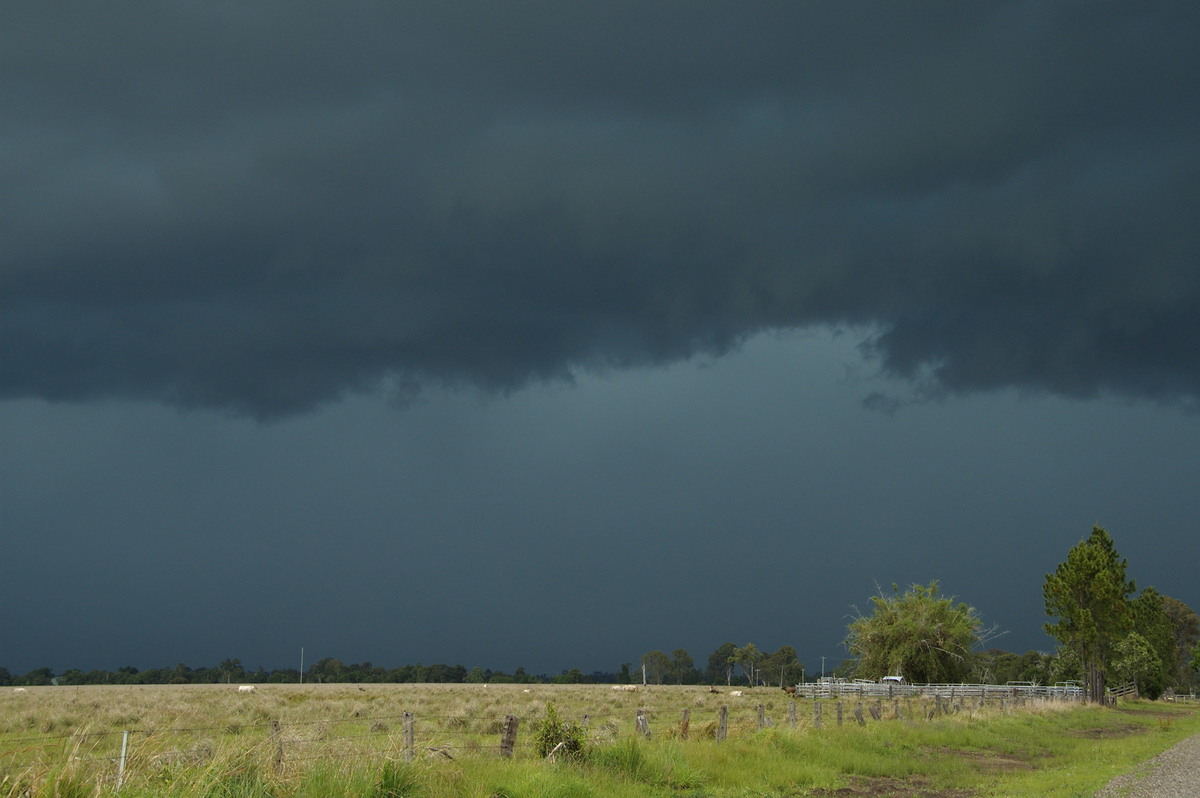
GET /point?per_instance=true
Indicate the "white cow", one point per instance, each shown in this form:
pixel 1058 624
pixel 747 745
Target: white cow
pixel 20 690
pixel 247 688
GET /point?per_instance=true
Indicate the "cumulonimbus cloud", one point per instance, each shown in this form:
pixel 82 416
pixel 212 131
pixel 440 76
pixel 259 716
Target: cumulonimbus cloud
pixel 261 208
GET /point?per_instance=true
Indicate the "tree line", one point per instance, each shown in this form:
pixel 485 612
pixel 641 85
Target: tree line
pixel 1105 632
pixel 327 670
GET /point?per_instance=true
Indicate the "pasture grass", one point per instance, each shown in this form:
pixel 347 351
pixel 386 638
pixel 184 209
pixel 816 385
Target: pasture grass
pixel 346 741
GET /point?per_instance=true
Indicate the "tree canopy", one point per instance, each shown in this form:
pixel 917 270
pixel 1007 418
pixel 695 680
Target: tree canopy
pixel 1089 595
pixel 919 634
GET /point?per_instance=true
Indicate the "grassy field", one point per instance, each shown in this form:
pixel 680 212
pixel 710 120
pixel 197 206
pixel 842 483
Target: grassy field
pixel 349 740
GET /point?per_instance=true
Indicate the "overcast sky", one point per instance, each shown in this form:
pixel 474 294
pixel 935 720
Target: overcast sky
pixel 546 334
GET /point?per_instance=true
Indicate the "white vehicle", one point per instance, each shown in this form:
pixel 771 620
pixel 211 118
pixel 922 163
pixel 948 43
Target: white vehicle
pixel 892 680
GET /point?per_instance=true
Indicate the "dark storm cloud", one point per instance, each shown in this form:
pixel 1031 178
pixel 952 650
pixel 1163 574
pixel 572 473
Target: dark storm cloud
pixel 263 206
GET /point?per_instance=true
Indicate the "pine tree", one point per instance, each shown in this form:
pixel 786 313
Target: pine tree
pixel 1089 595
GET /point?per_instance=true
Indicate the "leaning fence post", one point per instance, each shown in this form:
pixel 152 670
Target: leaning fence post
pixel 121 764
pixel 722 722
pixel 508 737
pixel 858 715
pixel 410 735
pixel 643 725
pixel 684 723
pixel 277 736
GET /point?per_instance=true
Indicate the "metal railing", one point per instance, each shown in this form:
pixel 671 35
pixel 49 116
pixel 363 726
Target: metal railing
pixel 837 689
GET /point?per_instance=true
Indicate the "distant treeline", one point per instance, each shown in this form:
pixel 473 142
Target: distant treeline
pixel 994 665
pixel 326 670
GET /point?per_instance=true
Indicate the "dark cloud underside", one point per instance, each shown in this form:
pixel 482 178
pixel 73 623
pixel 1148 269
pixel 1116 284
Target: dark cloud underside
pixel 264 206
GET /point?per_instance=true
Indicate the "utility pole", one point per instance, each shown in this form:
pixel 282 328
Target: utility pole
pixel 302 664
pixel 822 667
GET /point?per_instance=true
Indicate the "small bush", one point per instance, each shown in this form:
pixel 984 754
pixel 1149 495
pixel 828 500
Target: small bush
pixel 563 738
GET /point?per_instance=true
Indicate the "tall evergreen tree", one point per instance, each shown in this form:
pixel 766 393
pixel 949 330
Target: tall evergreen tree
pixel 1089 595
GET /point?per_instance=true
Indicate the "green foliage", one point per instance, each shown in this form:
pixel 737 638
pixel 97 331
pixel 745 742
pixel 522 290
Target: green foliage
pixel 657 665
pixel 552 732
pixel 397 780
pixel 1134 660
pixel 624 758
pixel 919 634
pixel 1185 629
pixel 720 664
pixel 781 668
pixel 681 668
pixel 1089 595
pixel 1155 628
pixel 748 656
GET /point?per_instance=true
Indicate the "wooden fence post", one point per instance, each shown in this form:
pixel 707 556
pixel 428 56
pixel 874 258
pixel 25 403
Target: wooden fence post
pixel 121 764
pixel 791 714
pixel 277 736
pixel 818 722
pixel 643 725
pixel 876 710
pixel 684 723
pixel 762 717
pixel 839 713
pixel 722 722
pixel 508 737
pixel 410 736
pixel 858 715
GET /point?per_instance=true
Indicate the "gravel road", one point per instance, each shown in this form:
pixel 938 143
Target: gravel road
pixel 1175 773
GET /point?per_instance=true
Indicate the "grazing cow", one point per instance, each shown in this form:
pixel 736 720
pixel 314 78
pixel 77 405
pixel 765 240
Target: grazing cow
pixel 736 692
pixel 20 690
pixel 247 688
pixel 628 688
pixel 790 689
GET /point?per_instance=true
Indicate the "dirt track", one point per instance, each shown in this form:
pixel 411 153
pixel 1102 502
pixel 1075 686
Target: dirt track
pixel 1175 773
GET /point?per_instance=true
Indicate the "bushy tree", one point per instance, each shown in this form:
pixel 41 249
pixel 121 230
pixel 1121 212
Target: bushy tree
pixel 657 664
pixel 1152 624
pixel 919 634
pixel 682 667
pixel 1185 628
pixel 748 656
pixel 720 664
pixel 782 667
pixel 1089 595
pixel 1135 660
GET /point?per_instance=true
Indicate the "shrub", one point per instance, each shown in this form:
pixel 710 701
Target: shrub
pixel 560 737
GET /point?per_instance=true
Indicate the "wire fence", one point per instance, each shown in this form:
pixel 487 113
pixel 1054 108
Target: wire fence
pixel 113 756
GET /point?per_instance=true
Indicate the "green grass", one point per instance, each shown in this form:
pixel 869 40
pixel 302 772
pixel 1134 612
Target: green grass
pixel 341 741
